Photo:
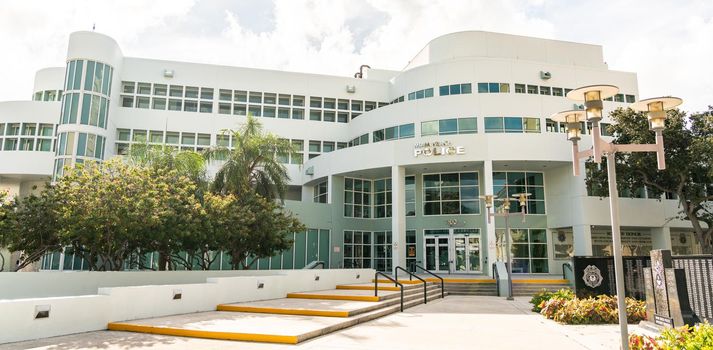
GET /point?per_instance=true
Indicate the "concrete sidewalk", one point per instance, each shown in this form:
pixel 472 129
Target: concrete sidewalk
pixel 457 322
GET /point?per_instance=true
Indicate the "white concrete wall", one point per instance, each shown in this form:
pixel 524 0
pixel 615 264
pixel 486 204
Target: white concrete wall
pixel 74 314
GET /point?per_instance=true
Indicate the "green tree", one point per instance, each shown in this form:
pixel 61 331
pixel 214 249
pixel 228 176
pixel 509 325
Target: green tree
pixel 170 238
pixel 34 229
pixel 689 165
pixel 7 223
pixel 109 211
pixel 258 228
pixel 252 165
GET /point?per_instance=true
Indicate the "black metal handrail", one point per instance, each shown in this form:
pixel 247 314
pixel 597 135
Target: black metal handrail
pixel 410 275
pixel 443 288
pixel 568 265
pixel 396 283
pixel 496 275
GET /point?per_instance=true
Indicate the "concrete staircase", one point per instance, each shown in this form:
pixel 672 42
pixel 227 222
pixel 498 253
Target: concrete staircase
pixel 528 287
pixel 291 320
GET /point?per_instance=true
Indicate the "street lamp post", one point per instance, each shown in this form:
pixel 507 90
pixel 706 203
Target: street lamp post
pixel 505 212
pixel 592 97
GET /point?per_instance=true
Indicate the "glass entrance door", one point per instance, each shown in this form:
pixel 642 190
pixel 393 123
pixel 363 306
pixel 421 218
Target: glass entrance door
pixel 453 250
pixel 466 249
pixel 437 250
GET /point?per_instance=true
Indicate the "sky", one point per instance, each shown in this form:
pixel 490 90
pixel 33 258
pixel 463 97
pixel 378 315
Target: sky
pixel 668 43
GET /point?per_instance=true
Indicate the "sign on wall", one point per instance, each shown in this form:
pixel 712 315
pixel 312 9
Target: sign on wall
pixel 437 148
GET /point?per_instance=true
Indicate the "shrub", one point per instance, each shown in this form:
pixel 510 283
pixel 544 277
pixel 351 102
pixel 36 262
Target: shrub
pixel 699 337
pixel 538 300
pixel 565 308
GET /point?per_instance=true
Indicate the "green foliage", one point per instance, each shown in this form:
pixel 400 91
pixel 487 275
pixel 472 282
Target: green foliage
pixel 35 228
pixel 699 337
pixel 110 210
pixel 564 307
pixel 252 165
pixel 538 300
pixel 689 165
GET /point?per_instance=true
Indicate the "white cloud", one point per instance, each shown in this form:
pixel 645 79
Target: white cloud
pixel 668 44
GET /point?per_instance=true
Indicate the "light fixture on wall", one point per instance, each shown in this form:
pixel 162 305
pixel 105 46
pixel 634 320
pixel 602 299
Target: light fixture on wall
pixel 42 311
pixel 452 222
pixel 177 294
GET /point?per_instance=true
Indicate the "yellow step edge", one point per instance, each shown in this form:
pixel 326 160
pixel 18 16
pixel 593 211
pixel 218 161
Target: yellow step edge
pixel 368 288
pixel 333 297
pixel 461 280
pixel 192 333
pixel 540 281
pixel 400 281
pixel 272 310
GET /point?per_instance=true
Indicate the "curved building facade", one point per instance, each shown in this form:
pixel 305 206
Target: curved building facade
pixel 391 165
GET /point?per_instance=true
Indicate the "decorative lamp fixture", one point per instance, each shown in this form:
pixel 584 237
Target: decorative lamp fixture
pixel 488 202
pixel 522 199
pixel 573 119
pixel 656 107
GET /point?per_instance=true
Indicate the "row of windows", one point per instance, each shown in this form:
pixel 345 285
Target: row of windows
pixel 586 127
pixel 86 145
pixel 404 131
pixel 94 109
pixel 93 76
pixel 451 126
pixel 455 89
pixel 512 124
pixel 361 140
pixel 417 95
pixel 484 88
pixel 358 246
pixel 26 137
pixel 562 92
pixel 451 194
pixel 241 102
pixel 528 248
pixel 47 95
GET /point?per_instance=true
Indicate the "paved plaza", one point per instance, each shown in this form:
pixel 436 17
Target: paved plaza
pixel 456 322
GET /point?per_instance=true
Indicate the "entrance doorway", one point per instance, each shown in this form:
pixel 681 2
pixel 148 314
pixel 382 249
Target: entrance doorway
pixel 455 250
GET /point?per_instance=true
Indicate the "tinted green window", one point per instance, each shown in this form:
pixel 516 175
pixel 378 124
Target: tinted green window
pixel 106 81
pixel 429 128
pixel 465 88
pixel 89 77
pixel 494 87
pixel 513 124
pixel 86 104
pixel 70 76
pixel 455 89
pixel 82 144
pixel 406 131
pixel 263 264
pixel 447 126
pixel 324 246
pixel 78 75
pixel 102 112
pixel 98 75
pixel 276 262
pixel 467 125
pixel 443 90
pixel 288 256
pixel 391 133
pixel 494 124
pixel 482 88
pixel 428 92
pixel 378 135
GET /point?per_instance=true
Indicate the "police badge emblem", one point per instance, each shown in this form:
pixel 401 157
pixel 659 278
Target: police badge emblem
pixel 592 276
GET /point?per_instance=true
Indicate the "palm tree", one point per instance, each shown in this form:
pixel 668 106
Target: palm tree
pixel 186 163
pixel 252 164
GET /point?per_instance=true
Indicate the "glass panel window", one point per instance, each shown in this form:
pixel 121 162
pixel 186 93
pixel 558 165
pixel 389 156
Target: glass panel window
pixel 357 105
pixel 329 116
pixel 519 88
pixel 142 102
pixel 298 113
pixel 176 91
pixel 158 103
pixel 283 113
pixel 144 89
pixel 239 109
pixel 45 129
pixel 172 137
pixel 513 124
pixel 255 97
pixel 160 89
pixel 298 101
pixel 357 198
pixel 327 146
pixel 482 88
pixel 545 90
pixel 188 138
pixel 206 93
pixel 206 107
pixel 467 125
pixel 429 128
pixel 191 92
pixel 224 108
pixel 156 136
pixel 320 192
pixel 283 100
pixel 531 124
pixel 406 131
pixel 175 105
pixel 203 139
pixel 190 106
pixel 447 126
pixel 451 193
pixel 532 89
pixel 494 124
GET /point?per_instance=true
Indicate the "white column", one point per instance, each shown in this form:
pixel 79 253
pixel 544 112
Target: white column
pixel 661 237
pixel 330 188
pixel 491 250
pixel 582 240
pixel 398 216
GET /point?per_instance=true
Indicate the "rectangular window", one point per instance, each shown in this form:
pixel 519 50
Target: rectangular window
pixel 429 128
pixel 443 90
pixel 176 91
pixel 315 114
pixel 156 136
pixel 206 107
pixel 545 90
pixel 494 124
pixel 298 101
pixel 504 87
pixel 482 88
pixel 357 198
pixel 86 105
pixel 143 102
pixel 206 93
pixel 240 96
pixel 519 88
pixel 88 78
pixel 451 194
pixel 342 117
pixel 144 89
pixel 172 137
pixel 391 133
pixel 298 113
pixel 513 124
pixel 191 92
pixel 175 105
pixel 494 87
pixel 557 91
pixel 406 131
pixel 224 108
pixel 630 98
pixel 320 192
pixel 410 195
pixel 255 97
pixel 506 184
pixel 160 89
pixel 529 249
pixel 531 124
pixel 283 100
pixel 327 146
pixel 467 125
pixel 532 89
pixel 239 109
pixel 159 103
pixel 140 136
pixel 190 106
pixel 357 249
pixel 225 95
pixel 203 140
pixel 283 113
pixel 188 138
pixel 382 198
pixel 97 79
pixel 254 111
pixel 378 135
pixel 45 130
pixel 329 116
pixel 448 126
pixel 343 104
pixel 78 75
pixel 619 98
pixel 315 102
pixel 357 105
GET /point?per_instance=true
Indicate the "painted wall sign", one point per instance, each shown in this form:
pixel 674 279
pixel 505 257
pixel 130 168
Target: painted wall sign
pixel 437 148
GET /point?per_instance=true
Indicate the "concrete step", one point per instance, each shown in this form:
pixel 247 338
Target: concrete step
pixel 263 327
pixel 359 294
